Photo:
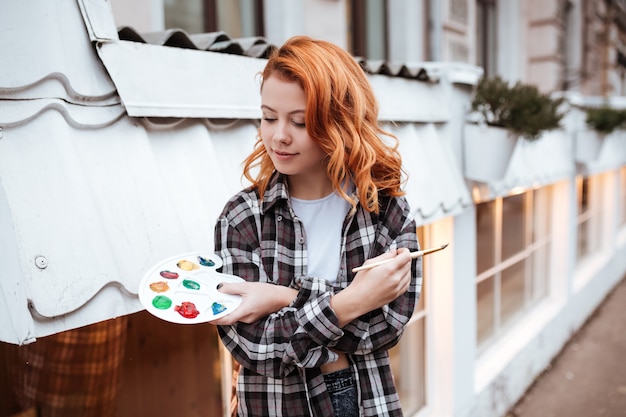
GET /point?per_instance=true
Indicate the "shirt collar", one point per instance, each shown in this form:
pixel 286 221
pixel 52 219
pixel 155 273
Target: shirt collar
pixel 276 191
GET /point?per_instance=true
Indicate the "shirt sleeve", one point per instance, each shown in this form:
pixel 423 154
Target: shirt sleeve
pixel 381 329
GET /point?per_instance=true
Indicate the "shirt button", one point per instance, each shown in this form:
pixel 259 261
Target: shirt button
pixel 301 240
pixel 279 218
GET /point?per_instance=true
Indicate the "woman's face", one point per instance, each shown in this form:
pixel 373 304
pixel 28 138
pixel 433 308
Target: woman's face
pixel 284 133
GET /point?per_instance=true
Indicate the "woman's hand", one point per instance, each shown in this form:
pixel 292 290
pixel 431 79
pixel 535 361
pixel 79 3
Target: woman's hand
pixel 373 288
pixel 259 300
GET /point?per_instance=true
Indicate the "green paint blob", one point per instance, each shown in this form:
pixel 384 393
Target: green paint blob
pixel 161 302
pixel 192 285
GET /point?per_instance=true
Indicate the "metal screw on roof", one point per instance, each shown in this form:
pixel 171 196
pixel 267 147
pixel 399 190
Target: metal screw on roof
pixel 41 262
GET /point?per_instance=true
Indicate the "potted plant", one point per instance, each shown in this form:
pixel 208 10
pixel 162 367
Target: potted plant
pixel 605 119
pixel 600 122
pixel 504 115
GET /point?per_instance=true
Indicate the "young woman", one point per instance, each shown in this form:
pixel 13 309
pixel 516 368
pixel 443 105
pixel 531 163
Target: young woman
pixel 311 335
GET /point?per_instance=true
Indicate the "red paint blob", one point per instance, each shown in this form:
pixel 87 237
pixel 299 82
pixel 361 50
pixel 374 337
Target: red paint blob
pixel 187 309
pixel 169 274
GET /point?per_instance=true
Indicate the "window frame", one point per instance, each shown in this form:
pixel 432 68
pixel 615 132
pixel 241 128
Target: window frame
pixel 486 36
pixel 204 16
pixel 534 254
pixel 589 219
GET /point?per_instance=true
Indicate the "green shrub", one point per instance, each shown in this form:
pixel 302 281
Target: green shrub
pixel 605 119
pixel 521 108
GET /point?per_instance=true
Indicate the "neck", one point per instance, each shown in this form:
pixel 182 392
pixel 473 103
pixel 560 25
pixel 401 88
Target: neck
pixel 309 188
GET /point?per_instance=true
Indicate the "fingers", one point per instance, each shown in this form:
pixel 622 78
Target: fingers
pixel 403 255
pixel 231 288
pixel 381 257
pixel 392 260
pixel 385 283
pixel 397 275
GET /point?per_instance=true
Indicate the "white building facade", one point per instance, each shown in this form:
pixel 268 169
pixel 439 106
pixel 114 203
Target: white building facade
pixel 112 165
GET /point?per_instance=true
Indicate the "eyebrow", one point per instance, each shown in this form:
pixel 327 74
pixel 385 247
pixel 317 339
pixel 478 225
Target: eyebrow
pixel 266 107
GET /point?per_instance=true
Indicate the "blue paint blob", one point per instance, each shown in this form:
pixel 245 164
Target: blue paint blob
pixel 205 261
pixel 217 308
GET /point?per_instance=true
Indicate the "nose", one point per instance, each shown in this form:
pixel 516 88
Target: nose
pixel 281 133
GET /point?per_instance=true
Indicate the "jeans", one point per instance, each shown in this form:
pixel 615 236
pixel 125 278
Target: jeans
pixel 340 385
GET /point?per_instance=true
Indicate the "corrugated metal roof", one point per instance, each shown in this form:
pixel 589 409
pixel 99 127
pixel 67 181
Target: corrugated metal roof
pixel 255 47
pixel 45 55
pixel 102 203
pixel 105 202
pixel 182 83
pixel 192 84
pixel 91 196
pixel 259 47
pixel 435 187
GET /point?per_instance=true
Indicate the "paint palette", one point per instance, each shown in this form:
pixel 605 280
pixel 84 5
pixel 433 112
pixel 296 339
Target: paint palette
pixel 183 289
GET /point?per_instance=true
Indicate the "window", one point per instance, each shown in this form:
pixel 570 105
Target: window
pixel 408 31
pixel 408 357
pixel 369 28
pixel 240 18
pixel 570 45
pixel 513 250
pixel 390 30
pixel 486 36
pixel 185 15
pixel 589 221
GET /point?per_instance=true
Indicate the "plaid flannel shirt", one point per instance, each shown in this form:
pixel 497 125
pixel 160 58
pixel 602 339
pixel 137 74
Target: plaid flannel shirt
pixel 281 354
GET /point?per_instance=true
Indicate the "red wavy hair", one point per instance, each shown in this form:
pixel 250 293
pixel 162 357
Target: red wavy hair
pixel 341 115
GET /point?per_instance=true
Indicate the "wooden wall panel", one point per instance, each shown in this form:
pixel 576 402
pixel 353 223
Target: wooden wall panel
pixel 167 370
pixel 170 369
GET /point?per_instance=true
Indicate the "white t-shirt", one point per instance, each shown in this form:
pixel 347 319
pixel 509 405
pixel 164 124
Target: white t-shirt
pixel 323 220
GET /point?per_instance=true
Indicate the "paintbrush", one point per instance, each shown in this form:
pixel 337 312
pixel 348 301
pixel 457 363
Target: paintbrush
pixel 414 255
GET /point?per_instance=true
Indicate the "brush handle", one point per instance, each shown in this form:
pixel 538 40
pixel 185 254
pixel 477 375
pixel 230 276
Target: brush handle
pixel 414 255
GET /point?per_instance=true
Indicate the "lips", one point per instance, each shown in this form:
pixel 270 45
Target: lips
pixel 283 155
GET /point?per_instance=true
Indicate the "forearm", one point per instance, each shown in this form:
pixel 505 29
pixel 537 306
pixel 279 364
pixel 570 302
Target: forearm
pixel 368 321
pixel 348 306
pixel 282 297
pixel 378 329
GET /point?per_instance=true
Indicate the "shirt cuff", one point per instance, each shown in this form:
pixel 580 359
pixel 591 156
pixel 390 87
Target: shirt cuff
pixel 313 311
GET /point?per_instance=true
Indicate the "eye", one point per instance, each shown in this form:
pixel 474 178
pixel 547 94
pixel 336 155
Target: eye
pixel 268 119
pixel 298 124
